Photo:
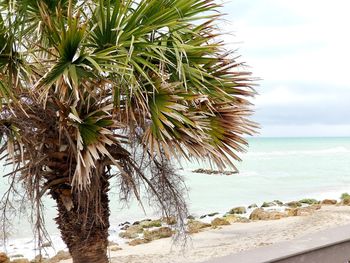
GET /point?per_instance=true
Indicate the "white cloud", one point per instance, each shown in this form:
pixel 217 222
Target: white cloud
pixel 315 50
pixel 283 95
pixel 301 51
pixel 319 66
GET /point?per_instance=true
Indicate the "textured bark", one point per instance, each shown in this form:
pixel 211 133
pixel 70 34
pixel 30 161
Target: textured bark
pixel 84 228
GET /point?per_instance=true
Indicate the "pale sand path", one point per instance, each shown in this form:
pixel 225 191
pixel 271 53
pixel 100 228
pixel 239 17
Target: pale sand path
pixel 232 239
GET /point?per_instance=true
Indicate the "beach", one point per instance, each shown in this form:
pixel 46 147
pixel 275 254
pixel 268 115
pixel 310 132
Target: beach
pixel 212 235
pixel 287 169
pixel 232 239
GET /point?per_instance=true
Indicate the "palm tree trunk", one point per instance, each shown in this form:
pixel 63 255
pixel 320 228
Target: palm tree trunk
pixel 83 219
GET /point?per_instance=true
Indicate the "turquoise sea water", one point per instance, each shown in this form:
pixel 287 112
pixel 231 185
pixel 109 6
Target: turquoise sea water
pixel 278 168
pixel 274 168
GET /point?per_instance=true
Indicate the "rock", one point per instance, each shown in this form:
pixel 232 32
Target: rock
pixel 276 215
pixel 309 201
pixel 213 214
pixel 194 226
pixel 292 211
pixel 171 220
pixel 294 204
pixel 210 215
pixel 238 210
pixel 219 222
pixel 132 232
pixel 136 223
pixel 345 201
pixel 328 202
pixel 124 227
pixel 241 219
pixel 138 241
pixel 162 232
pixel 112 243
pixel 128 235
pixel 236 219
pixel 20 260
pixel 278 202
pixel 268 204
pixel 47 244
pixel 208 171
pixel 152 223
pixel 316 206
pixel 203 171
pixel 302 211
pixel 261 214
pixel 298 212
pixel 125 223
pixel 115 248
pixel 231 218
pixel 190 217
pixel 229 172
pixel 61 255
pixel 253 206
pixel 4 258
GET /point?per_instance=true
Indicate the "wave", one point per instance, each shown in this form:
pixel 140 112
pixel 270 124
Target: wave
pixel 335 150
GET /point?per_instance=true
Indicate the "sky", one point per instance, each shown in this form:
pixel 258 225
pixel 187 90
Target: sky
pixel 300 50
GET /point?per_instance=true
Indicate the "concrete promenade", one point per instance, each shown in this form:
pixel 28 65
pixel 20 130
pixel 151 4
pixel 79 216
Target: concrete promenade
pixel 327 246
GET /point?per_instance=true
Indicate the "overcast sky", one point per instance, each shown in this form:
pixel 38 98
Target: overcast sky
pixel 301 51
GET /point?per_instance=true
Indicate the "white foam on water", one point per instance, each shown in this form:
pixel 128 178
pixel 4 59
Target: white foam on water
pixel 334 150
pixel 27 248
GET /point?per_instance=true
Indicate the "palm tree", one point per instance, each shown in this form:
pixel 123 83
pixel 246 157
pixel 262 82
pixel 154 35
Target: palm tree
pixel 91 90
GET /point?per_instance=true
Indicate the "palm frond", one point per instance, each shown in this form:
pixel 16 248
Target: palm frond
pixel 106 74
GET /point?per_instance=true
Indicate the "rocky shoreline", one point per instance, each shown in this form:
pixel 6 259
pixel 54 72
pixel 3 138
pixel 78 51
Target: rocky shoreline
pixel 139 233
pixel 149 230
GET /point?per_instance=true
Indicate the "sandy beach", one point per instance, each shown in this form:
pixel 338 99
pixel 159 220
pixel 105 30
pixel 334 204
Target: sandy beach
pixel 232 239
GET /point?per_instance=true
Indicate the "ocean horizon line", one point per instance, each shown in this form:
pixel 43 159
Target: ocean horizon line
pixel 297 137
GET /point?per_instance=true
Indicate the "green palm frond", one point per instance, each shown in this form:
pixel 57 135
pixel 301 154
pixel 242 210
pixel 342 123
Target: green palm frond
pixel 12 66
pixel 168 81
pixel 39 16
pixel 105 22
pixel 69 54
pixel 32 7
pixel 86 86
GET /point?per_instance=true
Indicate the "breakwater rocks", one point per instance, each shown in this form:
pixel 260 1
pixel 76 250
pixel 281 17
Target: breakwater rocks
pixel 209 171
pixel 147 230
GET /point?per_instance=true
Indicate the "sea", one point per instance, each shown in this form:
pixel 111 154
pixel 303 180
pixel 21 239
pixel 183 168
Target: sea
pixel 286 169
